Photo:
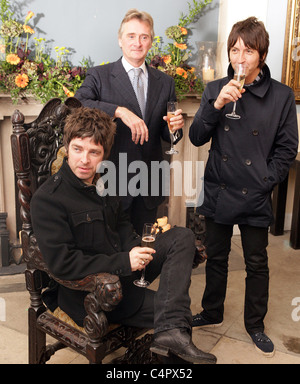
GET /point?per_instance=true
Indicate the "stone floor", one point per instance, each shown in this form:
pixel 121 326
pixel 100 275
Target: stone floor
pixel 229 343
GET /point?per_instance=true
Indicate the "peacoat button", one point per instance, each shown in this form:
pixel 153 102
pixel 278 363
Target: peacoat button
pixel 244 191
pixel 225 158
pixel 255 132
pixel 248 162
pixel 226 128
pixel 223 186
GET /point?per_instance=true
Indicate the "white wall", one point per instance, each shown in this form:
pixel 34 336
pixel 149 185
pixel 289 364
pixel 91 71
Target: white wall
pixel 271 12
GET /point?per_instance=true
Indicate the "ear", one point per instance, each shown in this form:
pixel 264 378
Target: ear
pixel 120 43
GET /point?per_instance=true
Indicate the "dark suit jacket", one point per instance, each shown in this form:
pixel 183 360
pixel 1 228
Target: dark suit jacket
pixel 108 86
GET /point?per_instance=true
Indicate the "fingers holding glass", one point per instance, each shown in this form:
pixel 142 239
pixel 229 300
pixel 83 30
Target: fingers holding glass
pixel 172 107
pixel 240 73
pixel 148 242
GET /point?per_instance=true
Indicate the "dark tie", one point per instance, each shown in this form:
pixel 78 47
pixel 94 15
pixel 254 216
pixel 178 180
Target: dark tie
pixel 138 86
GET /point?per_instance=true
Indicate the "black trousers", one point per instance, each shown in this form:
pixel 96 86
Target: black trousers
pixel 169 306
pixel 254 243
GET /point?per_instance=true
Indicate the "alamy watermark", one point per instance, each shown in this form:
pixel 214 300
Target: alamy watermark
pixel 296 311
pixel 154 179
pixel 2 309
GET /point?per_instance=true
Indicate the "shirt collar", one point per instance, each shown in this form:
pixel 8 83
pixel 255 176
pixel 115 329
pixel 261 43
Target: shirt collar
pixel 128 66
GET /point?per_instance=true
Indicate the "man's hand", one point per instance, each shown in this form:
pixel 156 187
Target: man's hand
pixel 139 130
pixel 229 93
pixel 176 122
pixel 139 257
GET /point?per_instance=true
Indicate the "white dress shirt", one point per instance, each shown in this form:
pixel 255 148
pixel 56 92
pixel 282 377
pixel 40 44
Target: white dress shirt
pixel 128 68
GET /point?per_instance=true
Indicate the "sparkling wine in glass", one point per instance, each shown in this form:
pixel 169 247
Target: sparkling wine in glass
pixel 171 109
pixel 240 73
pixel 148 240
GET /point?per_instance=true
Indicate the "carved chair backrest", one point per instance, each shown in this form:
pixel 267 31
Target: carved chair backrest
pixel 38 152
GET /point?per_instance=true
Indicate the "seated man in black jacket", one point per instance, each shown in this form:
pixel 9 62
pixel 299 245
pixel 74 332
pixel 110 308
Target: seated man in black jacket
pixel 81 231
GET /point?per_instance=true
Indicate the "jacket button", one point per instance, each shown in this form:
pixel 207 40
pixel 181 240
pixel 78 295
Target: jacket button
pixel 223 186
pixel 244 191
pixel 248 162
pixel 225 158
pixel 255 132
pixel 226 128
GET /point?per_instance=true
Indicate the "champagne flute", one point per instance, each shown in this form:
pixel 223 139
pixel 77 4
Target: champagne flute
pixel 172 107
pixel 148 240
pixel 240 73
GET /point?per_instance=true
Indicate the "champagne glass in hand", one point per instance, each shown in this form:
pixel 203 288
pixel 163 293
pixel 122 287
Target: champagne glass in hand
pixel 171 109
pixel 148 240
pixel 240 73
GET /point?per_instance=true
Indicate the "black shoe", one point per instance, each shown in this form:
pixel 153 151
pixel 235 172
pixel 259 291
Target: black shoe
pixel 178 342
pixel 199 321
pixel 263 344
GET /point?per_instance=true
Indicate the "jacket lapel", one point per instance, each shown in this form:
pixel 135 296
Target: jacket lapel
pixel 154 89
pixel 122 83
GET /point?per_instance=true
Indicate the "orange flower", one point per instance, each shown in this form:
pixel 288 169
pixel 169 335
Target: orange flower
pixel 28 29
pixel 13 59
pixel 22 80
pixel 183 30
pixel 30 14
pixel 167 59
pixel 67 92
pixel 192 70
pixel 180 46
pixel 181 72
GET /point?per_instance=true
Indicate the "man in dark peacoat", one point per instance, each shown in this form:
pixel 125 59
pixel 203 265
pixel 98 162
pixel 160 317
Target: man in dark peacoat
pixel 109 88
pixel 247 158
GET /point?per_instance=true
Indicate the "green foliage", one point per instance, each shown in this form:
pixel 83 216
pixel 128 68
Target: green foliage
pixel 172 58
pixel 33 72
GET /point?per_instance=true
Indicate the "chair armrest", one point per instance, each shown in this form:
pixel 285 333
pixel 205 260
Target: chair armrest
pixel 106 287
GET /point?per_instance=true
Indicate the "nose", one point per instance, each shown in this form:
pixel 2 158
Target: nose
pixel 137 40
pixel 241 58
pixel 85 157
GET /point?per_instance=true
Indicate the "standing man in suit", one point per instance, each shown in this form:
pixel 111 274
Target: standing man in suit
pixel 140 124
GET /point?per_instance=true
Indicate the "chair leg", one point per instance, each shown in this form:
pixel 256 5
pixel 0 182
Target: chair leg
pixel 36 340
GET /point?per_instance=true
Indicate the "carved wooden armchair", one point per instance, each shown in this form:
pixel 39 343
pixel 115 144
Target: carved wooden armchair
pixel 37 153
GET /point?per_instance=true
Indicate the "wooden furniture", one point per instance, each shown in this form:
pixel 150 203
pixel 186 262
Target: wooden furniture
pixel 37 153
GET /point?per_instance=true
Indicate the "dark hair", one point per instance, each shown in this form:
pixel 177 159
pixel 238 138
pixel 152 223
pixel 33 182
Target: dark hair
pixel 254 35
pixel 87 122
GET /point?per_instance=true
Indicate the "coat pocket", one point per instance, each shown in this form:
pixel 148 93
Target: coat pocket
pixel 88 227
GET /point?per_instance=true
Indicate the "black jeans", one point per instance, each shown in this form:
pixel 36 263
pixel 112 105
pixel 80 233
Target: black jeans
pixel 169 306
pixel 254 243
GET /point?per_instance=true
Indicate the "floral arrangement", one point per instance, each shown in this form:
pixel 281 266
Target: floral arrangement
pixel 24 72
pixel 172 59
